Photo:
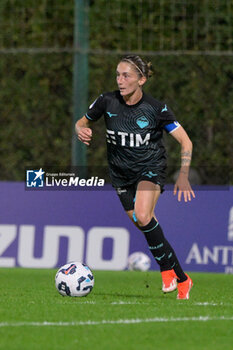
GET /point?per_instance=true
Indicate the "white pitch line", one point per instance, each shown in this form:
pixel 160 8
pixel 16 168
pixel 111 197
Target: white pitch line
pixel 128 303
pixel 208 304
pixel 120 321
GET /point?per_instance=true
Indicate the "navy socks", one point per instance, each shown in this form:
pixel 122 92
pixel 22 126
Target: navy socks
pixel 161 249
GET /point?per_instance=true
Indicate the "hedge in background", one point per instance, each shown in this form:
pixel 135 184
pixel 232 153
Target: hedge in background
pixel 36 88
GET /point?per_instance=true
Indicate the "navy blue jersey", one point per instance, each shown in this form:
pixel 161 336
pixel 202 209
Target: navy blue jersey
pixel 133 134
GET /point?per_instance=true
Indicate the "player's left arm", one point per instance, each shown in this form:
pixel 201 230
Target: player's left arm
pixel 182 184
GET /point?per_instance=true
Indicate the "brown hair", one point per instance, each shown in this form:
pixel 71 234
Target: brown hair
pixel 142 67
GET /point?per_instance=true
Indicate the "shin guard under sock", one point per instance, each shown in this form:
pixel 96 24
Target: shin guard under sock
pixel 161 249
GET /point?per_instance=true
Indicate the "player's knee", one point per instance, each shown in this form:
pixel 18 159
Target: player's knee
pixel 143 217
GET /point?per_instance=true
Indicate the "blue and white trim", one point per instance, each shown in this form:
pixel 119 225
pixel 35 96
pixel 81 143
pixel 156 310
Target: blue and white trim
pixel 87 116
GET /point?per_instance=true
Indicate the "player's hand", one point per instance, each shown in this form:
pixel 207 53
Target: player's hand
pixel 182 186
pixel 84 135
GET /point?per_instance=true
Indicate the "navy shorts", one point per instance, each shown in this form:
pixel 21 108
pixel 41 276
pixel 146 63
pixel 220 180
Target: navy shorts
pixel 127 193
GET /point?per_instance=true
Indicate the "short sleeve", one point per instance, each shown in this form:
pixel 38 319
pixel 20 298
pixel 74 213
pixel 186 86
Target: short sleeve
pixel 96 109
pixel 166 116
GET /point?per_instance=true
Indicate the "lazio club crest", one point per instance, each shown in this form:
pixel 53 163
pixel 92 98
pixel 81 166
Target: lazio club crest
pixel 142 122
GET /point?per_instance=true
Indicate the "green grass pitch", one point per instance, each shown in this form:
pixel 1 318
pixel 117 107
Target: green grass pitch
pixel 125 310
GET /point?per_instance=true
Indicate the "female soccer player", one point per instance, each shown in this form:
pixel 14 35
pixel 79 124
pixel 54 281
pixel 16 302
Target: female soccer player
pixel 137 159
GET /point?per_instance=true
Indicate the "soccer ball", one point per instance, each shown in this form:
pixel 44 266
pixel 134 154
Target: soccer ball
pixel 139 261
pixel 74 279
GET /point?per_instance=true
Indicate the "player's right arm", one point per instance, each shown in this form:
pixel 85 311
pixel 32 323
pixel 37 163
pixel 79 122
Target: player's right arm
pixel 83 130
pixel 82 127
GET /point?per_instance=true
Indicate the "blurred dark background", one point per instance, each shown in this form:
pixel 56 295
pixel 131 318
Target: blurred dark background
pixel 188 42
